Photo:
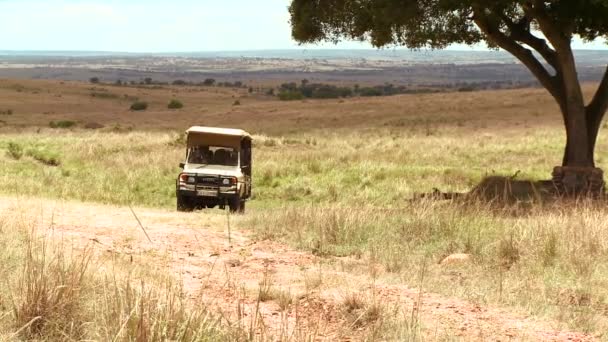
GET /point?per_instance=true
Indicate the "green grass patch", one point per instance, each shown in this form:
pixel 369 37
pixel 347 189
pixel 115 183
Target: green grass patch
pixel 14 151
pixel 139 106
pixel 62 124
pixel 44 155
pixel 104 95
pixel 175 104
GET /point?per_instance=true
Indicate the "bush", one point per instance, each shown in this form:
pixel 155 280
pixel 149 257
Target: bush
pixel 209 82
pixel 367 91
pixel 14 151
pixel 175 104
pixel 103 95
pixel 139 105
pixel 94 80
pixel 93 125
pixel 62 124
pixel 6 112
pixel 290 95
pixel 180 83
pixel 237 103
pixel 45 156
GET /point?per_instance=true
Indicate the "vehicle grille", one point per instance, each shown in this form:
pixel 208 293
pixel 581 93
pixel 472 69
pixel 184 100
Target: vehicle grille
pixel 208 180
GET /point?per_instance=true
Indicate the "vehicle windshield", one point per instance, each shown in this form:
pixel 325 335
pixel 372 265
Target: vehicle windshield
pixel 213 155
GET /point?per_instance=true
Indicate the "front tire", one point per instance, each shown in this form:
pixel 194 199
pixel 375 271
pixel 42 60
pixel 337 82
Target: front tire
pixel 237 206
pixel 184 203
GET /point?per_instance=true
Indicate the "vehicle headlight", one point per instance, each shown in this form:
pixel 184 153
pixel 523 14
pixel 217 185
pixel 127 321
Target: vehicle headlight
pixel 226 181
pixel 186 178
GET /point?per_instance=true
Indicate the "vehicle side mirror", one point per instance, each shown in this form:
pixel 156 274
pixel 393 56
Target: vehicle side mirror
pixel 182 165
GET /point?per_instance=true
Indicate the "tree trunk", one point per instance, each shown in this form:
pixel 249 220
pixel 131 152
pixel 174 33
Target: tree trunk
pixel 577 175
pixel 580 136
pixel 579 141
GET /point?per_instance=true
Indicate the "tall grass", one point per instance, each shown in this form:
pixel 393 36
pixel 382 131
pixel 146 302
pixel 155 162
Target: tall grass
pixel 550 261
pixel 380 167
pixel 346 193
pixel 51 292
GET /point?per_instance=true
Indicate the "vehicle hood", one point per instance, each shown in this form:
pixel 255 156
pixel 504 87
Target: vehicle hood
pixel 220 170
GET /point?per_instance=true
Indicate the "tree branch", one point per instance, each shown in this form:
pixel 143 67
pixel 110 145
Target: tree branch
pixel 599 104
pixel 524 55
pixel 521 32
pixel 555 36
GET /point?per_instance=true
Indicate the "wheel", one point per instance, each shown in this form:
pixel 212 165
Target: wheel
pixel 184 203
pixel 237 206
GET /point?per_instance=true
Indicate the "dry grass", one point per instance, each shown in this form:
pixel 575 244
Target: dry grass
pixel 335 178
pixel 52 292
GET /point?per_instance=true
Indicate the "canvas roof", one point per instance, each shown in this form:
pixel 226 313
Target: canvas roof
pixel 219 131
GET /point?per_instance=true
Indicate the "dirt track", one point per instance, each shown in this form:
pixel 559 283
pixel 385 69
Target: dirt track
pixel 227 275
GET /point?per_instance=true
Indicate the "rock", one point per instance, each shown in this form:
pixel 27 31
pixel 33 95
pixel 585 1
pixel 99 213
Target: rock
pixel 233 262
pixel 460 258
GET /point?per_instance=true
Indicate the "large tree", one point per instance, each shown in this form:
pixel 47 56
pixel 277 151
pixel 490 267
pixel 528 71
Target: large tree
pixel 538 33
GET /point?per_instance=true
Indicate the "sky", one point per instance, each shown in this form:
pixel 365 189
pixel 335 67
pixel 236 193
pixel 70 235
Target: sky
pixel 156 26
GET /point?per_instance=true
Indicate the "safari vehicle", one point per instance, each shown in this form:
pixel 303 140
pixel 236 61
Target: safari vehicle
pixel 217 170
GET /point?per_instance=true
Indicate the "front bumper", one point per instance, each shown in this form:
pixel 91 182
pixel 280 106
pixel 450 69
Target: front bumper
pixel 207 192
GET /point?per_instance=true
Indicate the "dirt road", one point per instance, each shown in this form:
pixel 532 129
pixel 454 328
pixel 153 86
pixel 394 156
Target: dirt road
pixel 303 295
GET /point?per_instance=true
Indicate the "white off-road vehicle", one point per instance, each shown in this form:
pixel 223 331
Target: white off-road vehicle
pixel 217 169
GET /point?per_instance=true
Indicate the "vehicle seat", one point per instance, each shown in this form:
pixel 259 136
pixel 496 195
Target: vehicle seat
pixel 208 157
pixel 233 158
pixel 221 157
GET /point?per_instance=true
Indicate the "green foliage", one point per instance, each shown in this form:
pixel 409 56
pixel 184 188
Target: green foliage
pixel 62 124
pixel 139 106
pixel 14 151
pixel 437 23
pixel 290 95
pixel 104 95
pixel 175 104
pixel 45 155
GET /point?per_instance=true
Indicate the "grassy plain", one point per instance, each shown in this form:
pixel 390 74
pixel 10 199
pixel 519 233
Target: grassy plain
pixel 335 177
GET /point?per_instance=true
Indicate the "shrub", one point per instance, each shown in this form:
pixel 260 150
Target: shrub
pixel 102 95
pixel 62 124
pixel 139 105
pixel 290 95
pixel 6 112
pixel 367 91
pixel 175 104
pixel 14 151
pixel 45 156
pixel 93 125
pixel 180 82
pixel 94 80
pixel 209 82
pixel 236 103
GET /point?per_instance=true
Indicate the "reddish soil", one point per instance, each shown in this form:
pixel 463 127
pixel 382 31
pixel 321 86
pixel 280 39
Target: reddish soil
pixel 226 276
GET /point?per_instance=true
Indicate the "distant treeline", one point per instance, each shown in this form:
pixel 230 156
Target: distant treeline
pixel 307 90
pixel 293 91
pixel 208 82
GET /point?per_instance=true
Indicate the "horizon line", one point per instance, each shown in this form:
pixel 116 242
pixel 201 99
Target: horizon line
pixel 401 49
